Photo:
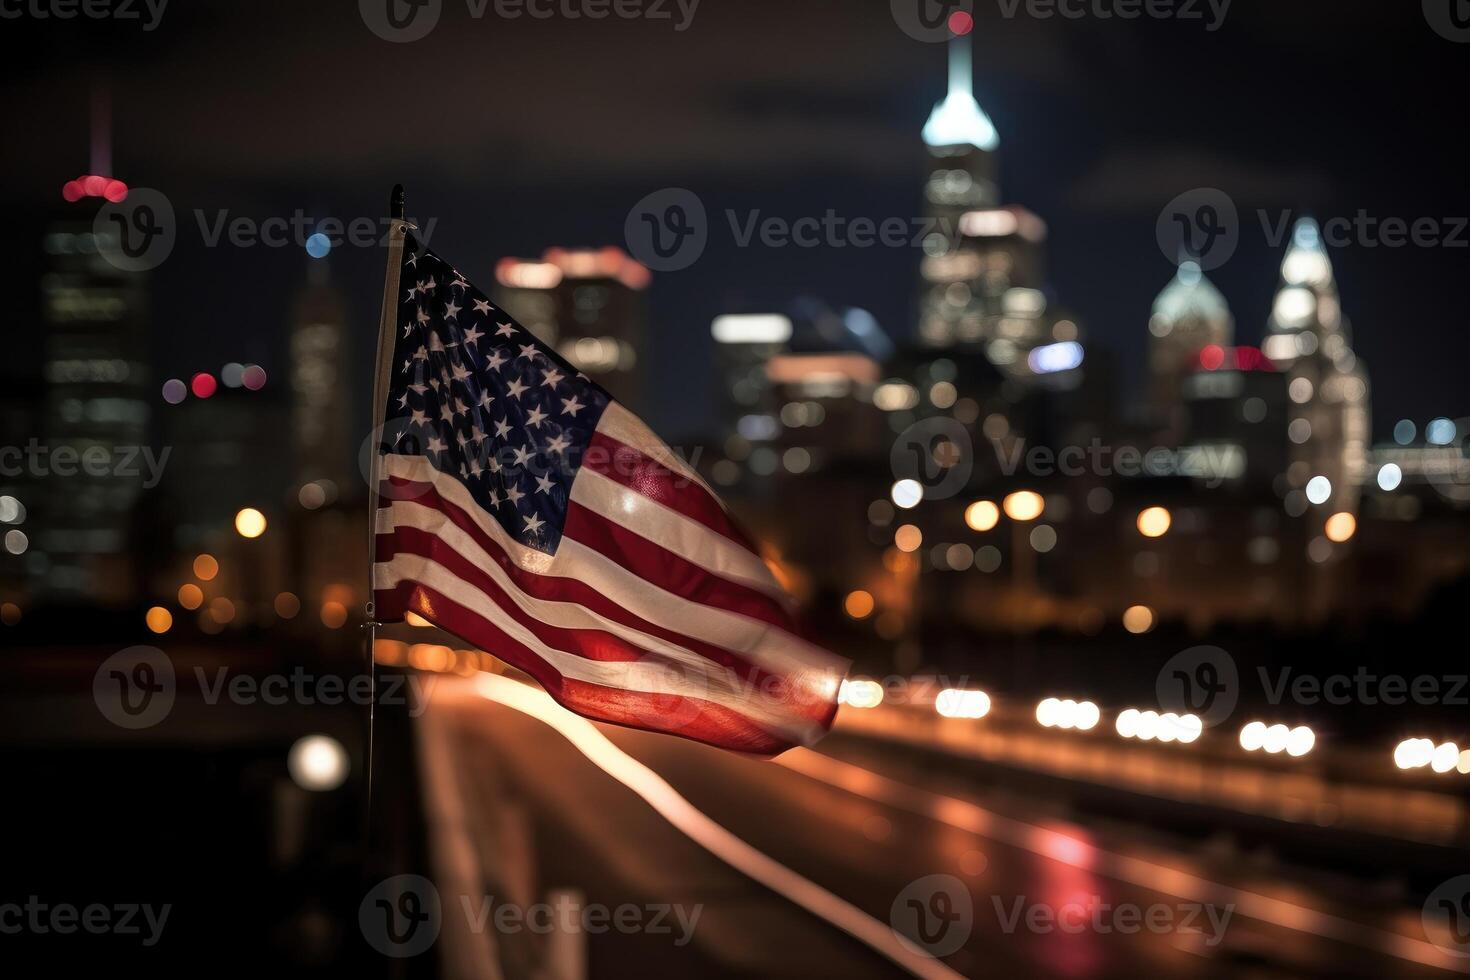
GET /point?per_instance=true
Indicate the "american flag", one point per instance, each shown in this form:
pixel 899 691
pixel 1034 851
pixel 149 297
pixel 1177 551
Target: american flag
pixel 524 510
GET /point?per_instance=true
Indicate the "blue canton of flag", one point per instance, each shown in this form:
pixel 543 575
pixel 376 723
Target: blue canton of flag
pixel 486 402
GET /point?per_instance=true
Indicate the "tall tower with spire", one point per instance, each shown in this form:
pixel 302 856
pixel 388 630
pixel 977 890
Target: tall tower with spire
pixel 983 266
pixel 1189 315
pixel 1310 339
pixel 961 142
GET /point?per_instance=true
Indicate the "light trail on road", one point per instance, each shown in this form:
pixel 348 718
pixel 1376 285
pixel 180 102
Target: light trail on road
pixel 704 831
pixel 1070 850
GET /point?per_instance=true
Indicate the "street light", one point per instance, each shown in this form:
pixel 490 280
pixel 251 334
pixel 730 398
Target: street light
pixel 1023 505
pixel 982 515
pixel 1341 526
pixel 1154 522
pixel 250 523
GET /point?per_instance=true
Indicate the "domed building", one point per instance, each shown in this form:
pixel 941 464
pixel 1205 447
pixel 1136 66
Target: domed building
pixel 1189 315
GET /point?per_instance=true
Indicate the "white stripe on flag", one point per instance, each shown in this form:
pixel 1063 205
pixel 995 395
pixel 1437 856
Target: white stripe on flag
pixel 620 424
pixel 710 682
pixel 757 642
pixel 671 530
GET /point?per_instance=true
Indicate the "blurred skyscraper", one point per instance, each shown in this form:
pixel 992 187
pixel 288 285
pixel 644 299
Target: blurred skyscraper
pixel 1188 316
pixel 1309 338
pixel 589 305
pixel 320 411
pixel 95 371
pixel 983 267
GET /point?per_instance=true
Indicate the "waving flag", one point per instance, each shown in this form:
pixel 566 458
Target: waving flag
pixel 523 509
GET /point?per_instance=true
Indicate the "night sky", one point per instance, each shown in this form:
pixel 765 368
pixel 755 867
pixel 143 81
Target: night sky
pixel 517 135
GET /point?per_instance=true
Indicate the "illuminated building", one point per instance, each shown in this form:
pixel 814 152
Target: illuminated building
pixel 225 457
pixel 588 304
pixel 96 399
pixel 1309 339
pixel 1189 316
pixel 983 267
pixel 744 343
pixel 1233 412
pixel 320 432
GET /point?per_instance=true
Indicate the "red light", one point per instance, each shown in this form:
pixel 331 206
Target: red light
pixel 253 377
pixel 1251 359
pixel 961 23
pixel 203 384
pixel 94 185
pixel 72 190
pixel 115 191
pixel 1212 357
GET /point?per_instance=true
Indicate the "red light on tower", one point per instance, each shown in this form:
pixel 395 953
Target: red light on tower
pixel 94 185
pixel 961 23
pixel 203 384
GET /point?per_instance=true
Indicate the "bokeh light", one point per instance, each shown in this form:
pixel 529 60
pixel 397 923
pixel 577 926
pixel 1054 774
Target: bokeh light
pixel 982 515
pixel 250 523
pixel 159 619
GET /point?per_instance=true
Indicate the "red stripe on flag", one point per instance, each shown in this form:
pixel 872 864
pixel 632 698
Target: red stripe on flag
pixel 599 644
pixel 655 563
pixel 640 560
pixel 627 466
pixel 672 714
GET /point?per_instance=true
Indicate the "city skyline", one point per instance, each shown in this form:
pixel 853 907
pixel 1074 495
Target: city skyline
pixel 1104 260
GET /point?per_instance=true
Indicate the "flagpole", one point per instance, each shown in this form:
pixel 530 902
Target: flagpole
pixel 397 231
